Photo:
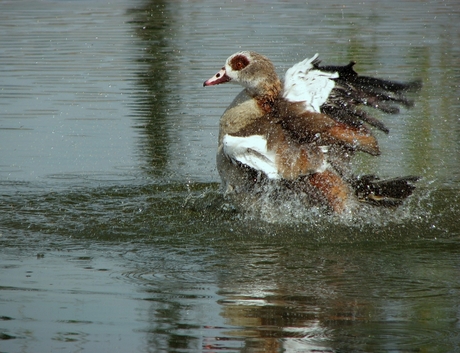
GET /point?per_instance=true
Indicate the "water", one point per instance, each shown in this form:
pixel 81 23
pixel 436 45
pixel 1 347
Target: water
pixel 114 234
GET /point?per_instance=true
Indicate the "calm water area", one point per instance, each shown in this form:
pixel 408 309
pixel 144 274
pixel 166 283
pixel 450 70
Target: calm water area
pixel 114 234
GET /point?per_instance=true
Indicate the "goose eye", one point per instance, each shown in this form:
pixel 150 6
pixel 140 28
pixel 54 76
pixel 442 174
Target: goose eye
pixel 239 62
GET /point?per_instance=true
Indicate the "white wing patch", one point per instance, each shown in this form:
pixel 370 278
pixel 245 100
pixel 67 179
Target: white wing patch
pixel 252 152
pixel 303 83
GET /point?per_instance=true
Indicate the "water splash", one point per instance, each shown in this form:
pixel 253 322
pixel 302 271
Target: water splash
pixel 428 213
pixel 133 211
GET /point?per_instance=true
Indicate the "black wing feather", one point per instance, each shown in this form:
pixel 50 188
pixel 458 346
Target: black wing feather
pixel 352 91
pixel 390 192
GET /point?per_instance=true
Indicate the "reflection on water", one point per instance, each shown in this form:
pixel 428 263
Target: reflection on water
pixel 209 278
pixel 153 25
pixel 113 231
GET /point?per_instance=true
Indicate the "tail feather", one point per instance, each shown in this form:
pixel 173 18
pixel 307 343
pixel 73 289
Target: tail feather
pixel 387 193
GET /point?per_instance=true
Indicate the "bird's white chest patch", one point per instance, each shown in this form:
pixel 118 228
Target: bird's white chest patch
pixel 251 151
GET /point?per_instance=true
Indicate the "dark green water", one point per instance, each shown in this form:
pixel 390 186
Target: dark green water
pixel 114 235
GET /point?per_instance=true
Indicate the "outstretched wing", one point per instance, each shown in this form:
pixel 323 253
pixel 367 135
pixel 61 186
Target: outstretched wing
pixel 338 91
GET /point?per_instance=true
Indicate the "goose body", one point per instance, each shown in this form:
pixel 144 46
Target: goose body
pixel 301 134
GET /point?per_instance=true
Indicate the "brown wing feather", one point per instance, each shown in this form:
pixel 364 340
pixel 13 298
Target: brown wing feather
pixel 308 127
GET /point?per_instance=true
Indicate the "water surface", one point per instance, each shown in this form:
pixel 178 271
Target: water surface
pixel 115 235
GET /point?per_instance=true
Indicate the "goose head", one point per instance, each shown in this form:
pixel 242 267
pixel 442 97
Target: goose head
pixel 251 70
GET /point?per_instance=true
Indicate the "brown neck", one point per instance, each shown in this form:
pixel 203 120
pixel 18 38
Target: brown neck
pixel 266 100
pixel 265 103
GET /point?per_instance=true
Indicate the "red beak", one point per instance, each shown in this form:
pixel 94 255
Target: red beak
pixel 220 77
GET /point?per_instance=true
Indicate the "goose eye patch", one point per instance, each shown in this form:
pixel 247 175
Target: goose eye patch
pixel 239 62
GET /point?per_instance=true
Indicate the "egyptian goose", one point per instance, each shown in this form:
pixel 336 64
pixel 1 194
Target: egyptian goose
pixel 301 134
